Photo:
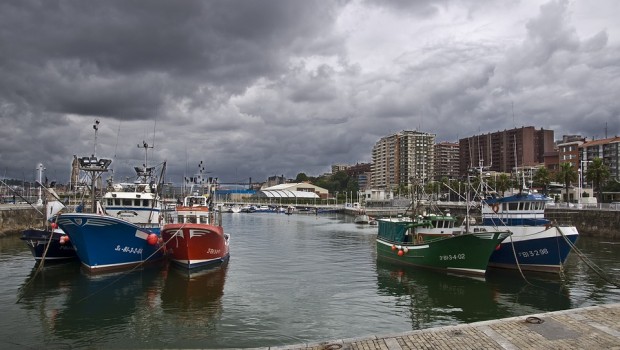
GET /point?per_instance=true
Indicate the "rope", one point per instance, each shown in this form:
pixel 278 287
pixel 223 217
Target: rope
pixel 587 261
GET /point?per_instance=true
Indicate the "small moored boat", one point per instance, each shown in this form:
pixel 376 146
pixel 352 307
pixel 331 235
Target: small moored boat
pixel 194 236
pixel 49 243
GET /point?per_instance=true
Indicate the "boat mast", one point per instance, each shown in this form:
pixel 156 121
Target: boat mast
pixel 146 171
pixel 95 167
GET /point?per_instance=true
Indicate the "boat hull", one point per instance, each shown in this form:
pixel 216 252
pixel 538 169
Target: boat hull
pixel 465 254
pixel 361 219
pixel 536 248
pixel 195 245
pixel 104 243
pixel 37 240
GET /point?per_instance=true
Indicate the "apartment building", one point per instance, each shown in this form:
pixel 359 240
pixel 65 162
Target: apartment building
pixel 446 160
pixel 503 151
pixel 607 149
pixel 402 158
pixel 568 149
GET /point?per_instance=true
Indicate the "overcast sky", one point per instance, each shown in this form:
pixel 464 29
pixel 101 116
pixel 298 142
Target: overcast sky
pixel 263 88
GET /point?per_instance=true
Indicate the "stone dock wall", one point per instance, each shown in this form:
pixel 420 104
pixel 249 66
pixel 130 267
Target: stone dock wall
pixel 589 222
pixel 15 219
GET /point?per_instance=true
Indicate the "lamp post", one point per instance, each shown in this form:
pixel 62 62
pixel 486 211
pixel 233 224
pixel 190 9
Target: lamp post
pixel 579 186
pixel 40 168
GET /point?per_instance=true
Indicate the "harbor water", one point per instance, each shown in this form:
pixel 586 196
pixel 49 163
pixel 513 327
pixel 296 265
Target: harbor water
pixel 290 279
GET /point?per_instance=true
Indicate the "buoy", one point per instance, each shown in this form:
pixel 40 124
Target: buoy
pixel 65 237
pixel 54 225
pixel 62 240
pixel 498 247
pixel 406 250
pixel 393 247
pixel 152 239
pixel 401 253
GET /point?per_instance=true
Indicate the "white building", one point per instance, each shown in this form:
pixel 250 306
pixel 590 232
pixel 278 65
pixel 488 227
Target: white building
pixel 294 190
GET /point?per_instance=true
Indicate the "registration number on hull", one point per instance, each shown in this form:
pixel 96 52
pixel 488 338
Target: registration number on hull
pixel 451 257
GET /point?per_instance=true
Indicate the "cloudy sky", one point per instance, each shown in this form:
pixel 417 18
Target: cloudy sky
pixel 263 88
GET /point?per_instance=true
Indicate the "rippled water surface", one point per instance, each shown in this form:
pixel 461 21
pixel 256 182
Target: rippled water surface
pixel 290 280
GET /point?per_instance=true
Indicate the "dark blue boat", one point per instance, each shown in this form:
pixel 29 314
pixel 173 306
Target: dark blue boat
pixel 56 248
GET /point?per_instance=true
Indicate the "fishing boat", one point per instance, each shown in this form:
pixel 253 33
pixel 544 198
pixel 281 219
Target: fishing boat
pixel 431 239
pixel 537 243
pixel 49 242
pixel 405 242
pixel 110 241
pixel 193 234
pixel 51 245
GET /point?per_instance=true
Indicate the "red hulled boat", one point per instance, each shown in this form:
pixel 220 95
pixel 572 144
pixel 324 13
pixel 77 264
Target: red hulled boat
pixel 193 234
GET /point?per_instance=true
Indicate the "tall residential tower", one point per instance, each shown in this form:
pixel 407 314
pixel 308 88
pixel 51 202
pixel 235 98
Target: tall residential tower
pixel 403 158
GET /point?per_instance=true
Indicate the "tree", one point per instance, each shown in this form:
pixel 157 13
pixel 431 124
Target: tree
pixel 597 173
pixel 502 184
pixel 542 178
pixel 301 177
pixel 566 175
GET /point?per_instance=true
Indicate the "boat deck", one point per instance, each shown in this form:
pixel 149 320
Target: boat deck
pixel 596 327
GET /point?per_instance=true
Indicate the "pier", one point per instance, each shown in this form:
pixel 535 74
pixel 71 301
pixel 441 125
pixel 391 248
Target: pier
pixel 595 327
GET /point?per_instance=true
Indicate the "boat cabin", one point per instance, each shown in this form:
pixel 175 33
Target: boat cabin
pixel 518 210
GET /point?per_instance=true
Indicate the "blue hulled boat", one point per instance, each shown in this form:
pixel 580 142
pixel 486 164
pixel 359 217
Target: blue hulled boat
pixel 51 249
pixel 128 234
pixel 49 243
pixel 537 243
pixel 103 242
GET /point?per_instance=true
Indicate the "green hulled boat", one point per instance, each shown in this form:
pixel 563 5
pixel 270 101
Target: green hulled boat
pixel 408 242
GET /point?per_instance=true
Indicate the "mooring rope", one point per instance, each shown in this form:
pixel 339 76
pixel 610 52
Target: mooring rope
pixel 586 260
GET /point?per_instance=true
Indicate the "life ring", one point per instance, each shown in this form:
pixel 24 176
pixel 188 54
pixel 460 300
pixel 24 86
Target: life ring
pixel 495 208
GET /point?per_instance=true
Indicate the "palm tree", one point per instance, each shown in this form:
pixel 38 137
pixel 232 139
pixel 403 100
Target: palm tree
pixel 543 178
pixel 502 184
pixel 566 175
pixel 597 173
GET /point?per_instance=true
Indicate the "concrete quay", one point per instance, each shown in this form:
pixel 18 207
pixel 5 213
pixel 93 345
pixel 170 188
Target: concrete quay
pixel 595 327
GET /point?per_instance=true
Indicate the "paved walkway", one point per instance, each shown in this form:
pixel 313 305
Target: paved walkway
pixel 596 327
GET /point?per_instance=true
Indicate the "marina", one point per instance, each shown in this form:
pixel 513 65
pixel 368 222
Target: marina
pixel 291 280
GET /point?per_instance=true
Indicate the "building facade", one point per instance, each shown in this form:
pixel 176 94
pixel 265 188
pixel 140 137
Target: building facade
pixel 362 173
pixel 504 151
pixel 568 150
pixel 402 159
pixel 446 160
pixel 607 149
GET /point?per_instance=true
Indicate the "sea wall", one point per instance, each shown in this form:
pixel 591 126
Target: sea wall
pixel 593 223
pixel 14 220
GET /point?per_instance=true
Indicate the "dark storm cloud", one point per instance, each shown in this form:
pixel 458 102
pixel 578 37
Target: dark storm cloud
pixel 136 60
pixel 119 58
pixel 260 88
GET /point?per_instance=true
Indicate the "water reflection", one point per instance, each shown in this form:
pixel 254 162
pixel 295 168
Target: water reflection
pixel 70 301
pixel 194 296
pixel 433 298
